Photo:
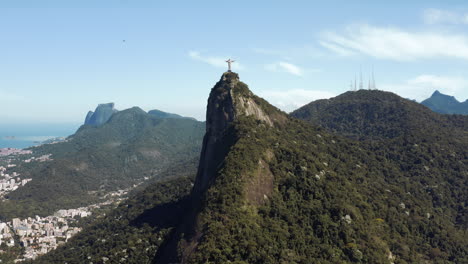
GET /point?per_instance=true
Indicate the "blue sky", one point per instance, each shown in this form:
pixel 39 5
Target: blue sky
pixel 59 59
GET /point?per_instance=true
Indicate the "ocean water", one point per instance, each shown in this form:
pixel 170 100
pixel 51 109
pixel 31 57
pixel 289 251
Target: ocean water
pixel 27 135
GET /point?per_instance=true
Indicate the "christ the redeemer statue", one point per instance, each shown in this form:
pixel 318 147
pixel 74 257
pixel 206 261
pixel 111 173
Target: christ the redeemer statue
pixel 229 64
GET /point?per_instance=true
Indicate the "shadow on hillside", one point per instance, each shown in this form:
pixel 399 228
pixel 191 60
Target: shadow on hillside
pixel 163 215
pixel 168 252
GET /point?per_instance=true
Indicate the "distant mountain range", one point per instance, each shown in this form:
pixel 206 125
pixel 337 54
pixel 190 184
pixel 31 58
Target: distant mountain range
pixel 125 148
pixel 365 177
pixel 367 114
pixel 104 112
pixel 446 104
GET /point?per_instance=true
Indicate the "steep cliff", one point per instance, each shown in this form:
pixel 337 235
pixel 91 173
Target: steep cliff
pixel 229 100
pixel 230 105
pixel 274 189
pixel 101 115
pixel 88 117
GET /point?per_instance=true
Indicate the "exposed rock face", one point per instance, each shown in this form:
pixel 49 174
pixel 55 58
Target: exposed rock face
pixel 101 115
pixel 228 100
pixel 248 107
pixel 88 117
pixel 104 112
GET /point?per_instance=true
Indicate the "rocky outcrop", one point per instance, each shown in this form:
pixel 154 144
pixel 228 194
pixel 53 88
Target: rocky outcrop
pixel 446 104
pixel 88 117
pixel 248 107
pixel 228 100
pixel 101 115
pixel 104 112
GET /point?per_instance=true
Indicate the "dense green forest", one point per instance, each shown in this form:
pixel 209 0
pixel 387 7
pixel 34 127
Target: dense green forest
pixel 295 193
pixel 368 177
pixel 131 146
pixel 133 231
pixel 367 115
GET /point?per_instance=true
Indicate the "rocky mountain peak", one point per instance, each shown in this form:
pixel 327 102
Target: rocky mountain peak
pixel 229 99
pixel 445 104
pixel 88 117
pixel 220 109
pixel 231 78
pixel 101 115
pixel 438 94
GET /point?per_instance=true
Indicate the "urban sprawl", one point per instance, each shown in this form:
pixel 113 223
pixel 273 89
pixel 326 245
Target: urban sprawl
pixel 39 235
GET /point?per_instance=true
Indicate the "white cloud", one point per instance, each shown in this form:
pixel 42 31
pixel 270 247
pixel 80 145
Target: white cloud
pixel 292 53
pixel 337 49
pixel 285 67
pixel 421 87
pixel 219 62
pixel 290 100
pixel 438 16
pixel 395 44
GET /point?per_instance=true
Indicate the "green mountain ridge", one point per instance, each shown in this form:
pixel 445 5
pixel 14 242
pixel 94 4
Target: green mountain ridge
pixel 104 112
pixel 356 181
pixel 131 145
pixel 368 114
pixel 446 104
pixel 290 192
pixel 136 229
pixel 161 114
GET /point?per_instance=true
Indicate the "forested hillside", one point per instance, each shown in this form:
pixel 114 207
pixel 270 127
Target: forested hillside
pixel 271 188
pixel 291 192
pixel 131 147
pixel 133 232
